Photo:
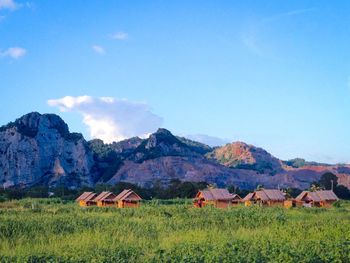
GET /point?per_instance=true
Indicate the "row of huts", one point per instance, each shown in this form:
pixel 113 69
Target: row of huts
pixel 127 198
pixel 217 197
pixel 264 197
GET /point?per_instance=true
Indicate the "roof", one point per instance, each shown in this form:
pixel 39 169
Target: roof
pixel 318 196
pixel 86 196
pixel 327 195
pixel 236 197
pixel 266 195
pixel 215 194
pixel 104 196
pixel 248 197
pixel 128 195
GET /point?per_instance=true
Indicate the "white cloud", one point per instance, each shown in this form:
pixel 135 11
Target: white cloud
pixel 98 49
pixel 209 140
pixel 13 52
pixel 8 4
pixel 111 119
pixel 120 36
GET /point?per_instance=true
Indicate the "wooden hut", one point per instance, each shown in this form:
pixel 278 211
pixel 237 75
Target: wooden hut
pixel 127 198
pixel 236 199
pixel 86 199
pixel 267 197
pixel 217 197
pixel 323 198
pixel 105 199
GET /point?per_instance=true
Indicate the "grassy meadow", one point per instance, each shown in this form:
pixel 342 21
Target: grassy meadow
pixel 48 230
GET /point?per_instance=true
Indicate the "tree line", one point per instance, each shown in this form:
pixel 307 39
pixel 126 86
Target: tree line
pixel 174 189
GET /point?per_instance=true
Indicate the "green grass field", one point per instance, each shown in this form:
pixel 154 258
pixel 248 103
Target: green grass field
pixel 46 230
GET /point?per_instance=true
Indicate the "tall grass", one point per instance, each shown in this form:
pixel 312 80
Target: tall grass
pixel 51 231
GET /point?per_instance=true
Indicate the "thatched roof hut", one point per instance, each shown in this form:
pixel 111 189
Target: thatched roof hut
pixel 105 199
pixel 218 197
pixel 127 198
pixel 317 198
pixel 265 196
pixel 86 199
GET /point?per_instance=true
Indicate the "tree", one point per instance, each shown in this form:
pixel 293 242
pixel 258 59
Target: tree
pixel 293 192
pixel 342 192
pixel 329 181
pixel 315 186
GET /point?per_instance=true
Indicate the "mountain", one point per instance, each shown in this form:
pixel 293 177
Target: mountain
pixel 38 149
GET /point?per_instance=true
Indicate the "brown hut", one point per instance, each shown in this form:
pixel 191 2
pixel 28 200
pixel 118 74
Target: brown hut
pixel 127 198
pixel 217 197
pixel 105 199
pixel 323 198
pixel 236 199
pixel 86 199
pixel 267 197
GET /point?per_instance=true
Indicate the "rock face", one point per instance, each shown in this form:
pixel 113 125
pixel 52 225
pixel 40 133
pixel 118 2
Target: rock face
pixel 38 149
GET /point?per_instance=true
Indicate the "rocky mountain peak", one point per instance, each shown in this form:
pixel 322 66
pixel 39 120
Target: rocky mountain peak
pixel 245 156
pixel 161 136
pixel 30 124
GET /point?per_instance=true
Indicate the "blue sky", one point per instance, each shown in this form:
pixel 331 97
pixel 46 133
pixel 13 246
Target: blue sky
pixel 275 74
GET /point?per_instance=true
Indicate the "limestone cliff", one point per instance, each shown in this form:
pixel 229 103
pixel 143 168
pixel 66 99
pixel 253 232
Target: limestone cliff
pixel 39 149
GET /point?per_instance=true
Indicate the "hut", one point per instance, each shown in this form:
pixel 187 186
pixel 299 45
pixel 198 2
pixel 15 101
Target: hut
pixel 267 197
pixel 105 199
pixel 323 198
pixel 127 198
pixel 86 199
pixel 216 197
pixel 236 199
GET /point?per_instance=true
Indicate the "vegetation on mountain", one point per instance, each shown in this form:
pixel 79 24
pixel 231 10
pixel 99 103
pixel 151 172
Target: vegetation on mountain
pixel 299 162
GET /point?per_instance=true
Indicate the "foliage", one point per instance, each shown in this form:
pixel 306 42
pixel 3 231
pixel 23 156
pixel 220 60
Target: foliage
pixel 342 192
pixel 328 180
pixel 299 162
pixel 47 230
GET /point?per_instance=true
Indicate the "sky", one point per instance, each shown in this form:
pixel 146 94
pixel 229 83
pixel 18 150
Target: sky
pixel 275 74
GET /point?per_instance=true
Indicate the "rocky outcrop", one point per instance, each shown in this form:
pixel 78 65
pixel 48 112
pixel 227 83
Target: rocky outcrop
pixel 245 156
pixel 39 149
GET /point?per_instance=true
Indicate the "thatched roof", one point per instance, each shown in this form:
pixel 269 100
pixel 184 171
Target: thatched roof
pixel 86 196
pixel 266 195
pixel 127 195
pixel 215 194
pixel 317 196
pixel 236 197
pixel 105 196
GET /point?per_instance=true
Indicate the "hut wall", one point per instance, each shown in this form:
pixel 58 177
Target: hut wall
pixel 123 204
pixel 82 203
pixel 222 204
pixel 289 203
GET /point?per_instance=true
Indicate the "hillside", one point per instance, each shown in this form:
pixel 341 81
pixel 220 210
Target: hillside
pixel 38 149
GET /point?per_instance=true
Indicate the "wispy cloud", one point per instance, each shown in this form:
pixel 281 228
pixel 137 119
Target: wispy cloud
pixel 111 119
pixel 251 37
pixel 120 36
pixel 13 52
pixel 98 49
pixel 8 4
